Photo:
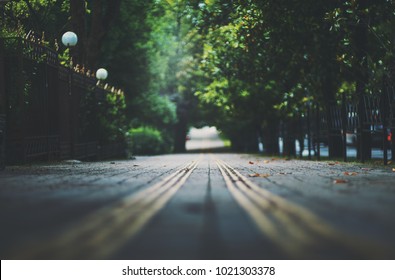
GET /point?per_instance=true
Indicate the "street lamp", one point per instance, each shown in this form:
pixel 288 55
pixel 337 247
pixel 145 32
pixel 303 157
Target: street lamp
pixel 101 74
pixel 70 39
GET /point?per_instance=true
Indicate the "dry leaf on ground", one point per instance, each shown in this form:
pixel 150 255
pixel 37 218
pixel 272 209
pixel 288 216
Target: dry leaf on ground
pixel 266 161
pixel 251 162
pixel 339 181
pixel 350 173
pixel 259 175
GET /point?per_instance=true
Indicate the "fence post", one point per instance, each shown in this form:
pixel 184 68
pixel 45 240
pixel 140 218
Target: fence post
pixel 344 126
pixel 2 107
pixel 308 130
pixel 361 138
pixel 384 116
pixel 318 122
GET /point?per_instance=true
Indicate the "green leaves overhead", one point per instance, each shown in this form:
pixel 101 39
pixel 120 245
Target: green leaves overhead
pixel 249 62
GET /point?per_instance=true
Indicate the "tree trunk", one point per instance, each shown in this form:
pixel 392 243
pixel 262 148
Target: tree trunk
pixel 77 14
pixel 362 76
pixel 2 107
pixel 181 129
pixel 327 55
pixel 270 138
pixel 391 84
pixel 289 149
pixel 88 49
pixel 334 135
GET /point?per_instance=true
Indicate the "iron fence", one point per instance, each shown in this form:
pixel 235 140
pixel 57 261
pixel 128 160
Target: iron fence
pixel 51 111
pixel 343 122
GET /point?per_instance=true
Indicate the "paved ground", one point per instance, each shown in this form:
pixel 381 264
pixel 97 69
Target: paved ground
pixel 198 206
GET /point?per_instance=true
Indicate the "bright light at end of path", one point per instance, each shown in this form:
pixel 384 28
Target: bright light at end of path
pixel 204 138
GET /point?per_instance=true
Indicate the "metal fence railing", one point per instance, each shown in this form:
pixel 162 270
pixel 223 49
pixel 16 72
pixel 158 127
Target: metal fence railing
pixel 51 112
pixel 345 122
pixel 48 111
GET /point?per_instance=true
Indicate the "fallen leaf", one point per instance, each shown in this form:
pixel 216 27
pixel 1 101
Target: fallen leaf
pixel 339 181
pixel 350 173
pixel 259 175
pixel 333 163
pixel 266 161
pixel 251 162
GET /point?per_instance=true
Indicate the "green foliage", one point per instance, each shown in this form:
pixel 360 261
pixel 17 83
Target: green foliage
pixel 146 141
pixel 124 51
pixel 6 32
pixel 240 65
pixel 155 110
pixel 64 57
pixel 48 16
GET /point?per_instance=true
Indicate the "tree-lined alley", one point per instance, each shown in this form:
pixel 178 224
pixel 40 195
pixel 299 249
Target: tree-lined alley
pixel 247 67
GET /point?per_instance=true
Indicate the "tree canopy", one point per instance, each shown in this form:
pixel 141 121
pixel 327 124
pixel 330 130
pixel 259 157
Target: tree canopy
pixel 241 65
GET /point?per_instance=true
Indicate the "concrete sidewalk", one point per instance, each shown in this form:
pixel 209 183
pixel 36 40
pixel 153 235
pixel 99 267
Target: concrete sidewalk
pixel 203 220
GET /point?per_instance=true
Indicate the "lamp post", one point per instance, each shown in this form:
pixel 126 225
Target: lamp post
pixel 70 39
pixel 101 74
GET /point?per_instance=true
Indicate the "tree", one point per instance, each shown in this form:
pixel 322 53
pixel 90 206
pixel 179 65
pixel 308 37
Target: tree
pixel 92 20
pixel 176 54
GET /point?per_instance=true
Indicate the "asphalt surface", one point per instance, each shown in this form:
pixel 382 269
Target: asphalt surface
pixel 197 206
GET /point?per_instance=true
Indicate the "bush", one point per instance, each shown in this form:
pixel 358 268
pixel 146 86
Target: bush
pixel 146 141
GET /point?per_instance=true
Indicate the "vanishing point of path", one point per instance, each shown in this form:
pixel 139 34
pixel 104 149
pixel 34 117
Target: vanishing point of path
pixel 197 206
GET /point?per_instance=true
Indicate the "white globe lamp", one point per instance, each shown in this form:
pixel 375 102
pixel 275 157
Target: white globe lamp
pixel 69 39
pixel 101 74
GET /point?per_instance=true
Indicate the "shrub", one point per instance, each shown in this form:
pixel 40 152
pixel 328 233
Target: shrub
pixel 146 141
